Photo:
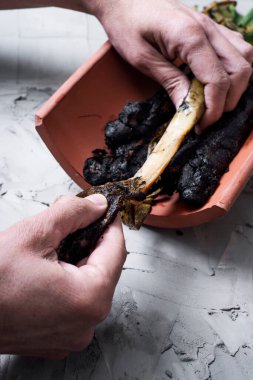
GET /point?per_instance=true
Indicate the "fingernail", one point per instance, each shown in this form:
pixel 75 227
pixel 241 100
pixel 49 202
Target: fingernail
pixel 97 199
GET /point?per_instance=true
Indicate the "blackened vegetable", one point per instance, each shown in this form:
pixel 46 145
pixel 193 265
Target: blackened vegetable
pixel 128 138
pixel 197 167
pixel 201 174
pixel 129 195
pixel 79 244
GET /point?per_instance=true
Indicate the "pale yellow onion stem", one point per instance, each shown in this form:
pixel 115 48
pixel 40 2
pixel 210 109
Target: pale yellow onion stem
pixel 183 121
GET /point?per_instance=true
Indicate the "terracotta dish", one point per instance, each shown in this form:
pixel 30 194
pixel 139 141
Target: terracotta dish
pixel 72 121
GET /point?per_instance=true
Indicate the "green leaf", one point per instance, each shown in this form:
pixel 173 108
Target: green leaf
pixel 236 17
pixel 247 19
pixel 248 36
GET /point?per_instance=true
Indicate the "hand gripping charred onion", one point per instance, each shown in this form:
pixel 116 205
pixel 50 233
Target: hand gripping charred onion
pixel 122 195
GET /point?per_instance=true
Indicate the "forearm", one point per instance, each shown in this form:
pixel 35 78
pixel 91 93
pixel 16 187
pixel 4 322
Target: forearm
pixel 18 4
pixel 89 6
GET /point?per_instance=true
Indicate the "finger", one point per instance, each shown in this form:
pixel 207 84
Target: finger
pixel 237 40
pixel 211 74
pixel 110 253
pixel 84 340
pixel 238 68
pixel 156 66
pixel 69 214
pixel 205 65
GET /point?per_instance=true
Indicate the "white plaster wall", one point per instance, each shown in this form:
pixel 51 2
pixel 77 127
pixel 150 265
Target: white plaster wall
pixel 50 43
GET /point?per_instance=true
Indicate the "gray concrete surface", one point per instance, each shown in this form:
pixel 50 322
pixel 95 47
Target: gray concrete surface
pixel 183 308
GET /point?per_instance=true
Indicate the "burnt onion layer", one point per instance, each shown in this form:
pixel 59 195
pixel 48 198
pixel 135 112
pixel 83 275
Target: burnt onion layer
pixel 196 169
pixel 132 196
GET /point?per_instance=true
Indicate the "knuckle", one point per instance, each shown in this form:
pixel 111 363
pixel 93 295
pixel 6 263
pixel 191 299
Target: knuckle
pixel 65 198
pixel 95 313
pixel 89 337
pixel 222 81
pixel 101 308
pixel 31 231
pixel 74 203
pixel 193 36
pixel 76 304
pixel 245 70
pixel 248 52
pixel 171 82
pixel 102 283
pixel 96 306
pixel 73 206
pixel 192 47
pixel 208 24
pixel 82 342
pixel 202 17
pixel 101 311
pixel 193 28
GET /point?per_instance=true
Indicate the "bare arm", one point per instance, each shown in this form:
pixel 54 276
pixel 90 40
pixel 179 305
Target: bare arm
pixel 19 4
pixel 88 6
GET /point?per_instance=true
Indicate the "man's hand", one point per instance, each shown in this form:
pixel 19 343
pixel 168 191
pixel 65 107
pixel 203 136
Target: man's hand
pixel 50 308
pixel 152 34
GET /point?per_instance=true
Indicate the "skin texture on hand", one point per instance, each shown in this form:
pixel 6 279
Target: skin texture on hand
pixel 152 34
pixel 50 308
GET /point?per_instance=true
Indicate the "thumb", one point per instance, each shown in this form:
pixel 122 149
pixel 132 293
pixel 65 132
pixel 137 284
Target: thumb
pixel 109 254
pixel 69 214
pixel 166 73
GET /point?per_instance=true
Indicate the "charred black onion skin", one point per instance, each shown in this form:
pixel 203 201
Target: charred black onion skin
pixel 81 243
pixel 118 165
pixel 198 166
pixel 139 119
pixel 195 172
pixel 78 245
pixel 128 138
pixel 131 195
